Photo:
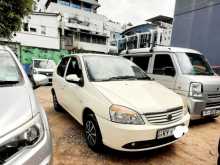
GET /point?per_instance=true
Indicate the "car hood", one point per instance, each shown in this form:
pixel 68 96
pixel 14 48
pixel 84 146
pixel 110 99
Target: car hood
pixel 15 108
pixel 210 83
pixel 142 96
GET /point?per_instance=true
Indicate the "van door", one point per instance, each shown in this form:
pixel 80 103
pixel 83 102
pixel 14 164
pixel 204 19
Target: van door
pixel 164 70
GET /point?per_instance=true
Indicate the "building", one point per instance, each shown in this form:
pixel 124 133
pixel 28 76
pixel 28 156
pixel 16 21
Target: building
pixel 40 30
pixel 81 27
pixel 196 26
pixel 140 36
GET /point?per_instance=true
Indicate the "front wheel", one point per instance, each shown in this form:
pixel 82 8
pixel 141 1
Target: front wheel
pixel 92 133
pixel 56 105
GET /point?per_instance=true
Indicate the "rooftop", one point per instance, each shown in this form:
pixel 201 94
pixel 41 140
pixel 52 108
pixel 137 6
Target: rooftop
pixel 161 18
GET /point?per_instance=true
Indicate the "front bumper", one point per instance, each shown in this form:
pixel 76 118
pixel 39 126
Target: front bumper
pixel 121 136
pixel 197 106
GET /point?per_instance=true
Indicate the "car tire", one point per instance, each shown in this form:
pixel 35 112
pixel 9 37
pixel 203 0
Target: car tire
pixel 56 105
pixel 92 133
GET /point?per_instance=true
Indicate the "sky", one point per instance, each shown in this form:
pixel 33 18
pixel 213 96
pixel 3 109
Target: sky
pixel 135 11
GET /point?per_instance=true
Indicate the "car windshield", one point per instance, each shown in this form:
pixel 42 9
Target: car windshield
pixel 194 64
pixel 44 64
pixel 109 68
pixel 9 71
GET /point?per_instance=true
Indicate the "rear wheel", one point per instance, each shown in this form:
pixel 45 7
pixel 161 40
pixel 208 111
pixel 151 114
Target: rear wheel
pixel 92 133
pixel 56 105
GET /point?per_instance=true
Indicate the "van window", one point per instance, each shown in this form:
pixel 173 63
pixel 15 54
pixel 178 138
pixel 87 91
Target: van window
pixel 62 67
pixel 161 62
pixel 142 62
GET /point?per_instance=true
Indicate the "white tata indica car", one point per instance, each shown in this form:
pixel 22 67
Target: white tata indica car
pixel 24 131
pixel 117 103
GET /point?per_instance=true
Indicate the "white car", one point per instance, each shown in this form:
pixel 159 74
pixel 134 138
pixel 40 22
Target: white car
pixel 24 132
pixel 43 67
pixel 117 103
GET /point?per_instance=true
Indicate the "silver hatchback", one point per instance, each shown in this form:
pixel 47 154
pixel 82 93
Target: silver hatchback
pixel 24 132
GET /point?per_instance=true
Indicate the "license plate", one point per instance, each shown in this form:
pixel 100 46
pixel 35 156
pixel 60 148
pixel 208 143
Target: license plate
pixel 213 112
pixel 163 133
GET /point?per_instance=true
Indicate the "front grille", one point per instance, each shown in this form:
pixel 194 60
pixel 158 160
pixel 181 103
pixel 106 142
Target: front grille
pixel 215 95
pixel 49 74
pixel 168 117
pixel 212 104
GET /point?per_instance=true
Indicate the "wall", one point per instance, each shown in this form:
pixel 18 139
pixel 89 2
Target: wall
pixel 196 26
pixel 49 40
pixel 28 53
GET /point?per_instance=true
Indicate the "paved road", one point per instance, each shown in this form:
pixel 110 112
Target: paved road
pixel 198 147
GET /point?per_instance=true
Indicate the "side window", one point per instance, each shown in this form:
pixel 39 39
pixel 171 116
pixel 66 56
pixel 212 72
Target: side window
pixel 62 67
pixel 163 65
pixel 142 62
pixel 74 68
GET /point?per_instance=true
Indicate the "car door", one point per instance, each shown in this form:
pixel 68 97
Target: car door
pixel 163 70
pixel 58 80
pixel 73 91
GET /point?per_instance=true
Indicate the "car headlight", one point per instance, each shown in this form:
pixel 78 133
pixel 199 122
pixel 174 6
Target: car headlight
pixel 195 90
pixel 35 71
pixel 32 133
pixel 123 115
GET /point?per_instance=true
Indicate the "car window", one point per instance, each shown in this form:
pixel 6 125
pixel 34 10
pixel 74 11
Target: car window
pixel 142 62
pixel 9 71
pixel 62 67
pixel 74 68
pixel 161 62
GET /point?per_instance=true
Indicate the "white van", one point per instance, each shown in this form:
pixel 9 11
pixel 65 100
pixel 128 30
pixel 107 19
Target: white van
pixel 185 71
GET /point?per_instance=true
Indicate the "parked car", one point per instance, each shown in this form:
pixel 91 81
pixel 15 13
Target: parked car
pixel 185 71
pixel 24 132
pixel 43 67
pixel 216 69
pixel 117 103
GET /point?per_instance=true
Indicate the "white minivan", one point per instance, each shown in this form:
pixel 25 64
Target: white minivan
pixel 185 71
pixel 117 103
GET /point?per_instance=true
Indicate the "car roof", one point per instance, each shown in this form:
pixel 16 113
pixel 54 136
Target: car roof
pixel 159 49
pixel 90 54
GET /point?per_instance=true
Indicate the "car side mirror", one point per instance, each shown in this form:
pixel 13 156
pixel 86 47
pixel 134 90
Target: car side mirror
pixel 170 71
pixel 39 80
pixel 73 78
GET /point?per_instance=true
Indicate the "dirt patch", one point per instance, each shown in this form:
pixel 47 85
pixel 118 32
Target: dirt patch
pixel 198 147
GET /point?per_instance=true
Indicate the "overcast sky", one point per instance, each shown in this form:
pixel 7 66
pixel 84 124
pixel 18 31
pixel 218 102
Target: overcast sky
pixel 135 11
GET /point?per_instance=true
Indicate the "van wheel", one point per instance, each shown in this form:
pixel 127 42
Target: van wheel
pixel 92 133
pixel 56 105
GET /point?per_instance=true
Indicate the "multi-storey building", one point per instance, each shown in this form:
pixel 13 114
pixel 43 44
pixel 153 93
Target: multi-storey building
pixel 40 30
pixel 81 27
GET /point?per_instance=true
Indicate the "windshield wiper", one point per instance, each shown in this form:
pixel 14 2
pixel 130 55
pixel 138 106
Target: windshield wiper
pixel 144 78
pixel 8 82
pixel 121 78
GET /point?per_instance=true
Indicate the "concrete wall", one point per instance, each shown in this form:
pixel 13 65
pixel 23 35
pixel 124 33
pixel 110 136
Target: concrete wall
pixel 197 26
pixel 49 40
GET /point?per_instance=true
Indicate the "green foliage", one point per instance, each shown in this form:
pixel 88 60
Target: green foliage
pixel 11 14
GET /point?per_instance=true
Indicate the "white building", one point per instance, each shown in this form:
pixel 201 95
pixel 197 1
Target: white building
pixel 40 30
pixel 81 27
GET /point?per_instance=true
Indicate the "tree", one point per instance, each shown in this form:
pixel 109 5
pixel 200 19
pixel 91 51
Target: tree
pixel 11 14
